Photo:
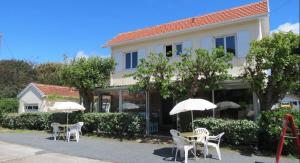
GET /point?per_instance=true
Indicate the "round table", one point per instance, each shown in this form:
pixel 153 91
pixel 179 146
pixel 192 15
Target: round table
pixel 193 136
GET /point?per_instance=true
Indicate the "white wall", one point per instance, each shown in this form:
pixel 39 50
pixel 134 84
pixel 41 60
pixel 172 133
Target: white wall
pixel 30 97
pixel 244 32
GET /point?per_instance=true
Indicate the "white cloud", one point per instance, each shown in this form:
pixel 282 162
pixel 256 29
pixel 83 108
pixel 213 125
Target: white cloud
pixel 286 27
pixel 81 54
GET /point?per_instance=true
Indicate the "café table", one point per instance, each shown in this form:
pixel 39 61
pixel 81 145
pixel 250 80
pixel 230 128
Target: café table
pixel 194 138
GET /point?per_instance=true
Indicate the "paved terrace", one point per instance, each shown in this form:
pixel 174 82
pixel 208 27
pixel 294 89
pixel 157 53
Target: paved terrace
pixel 122 152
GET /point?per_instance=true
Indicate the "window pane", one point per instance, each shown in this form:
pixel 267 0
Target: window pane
pixel 178 49
pixel 35 107
pixel 169 51
pixel 128 60
pixel 219 42
pixel 230 44
pixel 134 59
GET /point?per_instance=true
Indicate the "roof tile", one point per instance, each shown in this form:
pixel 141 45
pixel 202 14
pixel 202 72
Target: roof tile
pixel 212 18
pixel 57 90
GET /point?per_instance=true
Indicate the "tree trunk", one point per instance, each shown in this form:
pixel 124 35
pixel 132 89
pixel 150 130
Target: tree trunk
pixel 87 98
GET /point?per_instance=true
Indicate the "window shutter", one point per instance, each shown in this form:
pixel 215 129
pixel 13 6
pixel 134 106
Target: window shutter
pixel 141 54
pixel 119 61
pixel 186 46
pixel 206 43
pixel 243 43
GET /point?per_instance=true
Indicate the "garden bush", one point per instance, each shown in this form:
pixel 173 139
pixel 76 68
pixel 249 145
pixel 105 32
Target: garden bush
pixel 9 105
pixel 270 123
pixel 117 124
pixel 237 132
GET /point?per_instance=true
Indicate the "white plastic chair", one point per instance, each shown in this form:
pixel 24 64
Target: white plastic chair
pixel 174 133
pixel 73 130
pixel 185 145
pixel 80 124
pixel 202 132
pixel 216 145
pixel 56 130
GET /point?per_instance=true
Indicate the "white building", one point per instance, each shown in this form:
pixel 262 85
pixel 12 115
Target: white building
pixel 38 97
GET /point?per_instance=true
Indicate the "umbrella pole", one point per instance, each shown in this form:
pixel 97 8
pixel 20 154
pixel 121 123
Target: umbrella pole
pixel 67 119
pixel 192 120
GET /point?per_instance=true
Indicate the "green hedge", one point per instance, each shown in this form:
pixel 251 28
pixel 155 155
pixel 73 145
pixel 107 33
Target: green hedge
pixel 9 105
pixel 116 124
pixel 237 132
pixel 270 123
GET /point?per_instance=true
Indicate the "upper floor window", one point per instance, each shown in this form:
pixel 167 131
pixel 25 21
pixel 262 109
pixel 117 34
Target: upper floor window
pixel 169 50
pixel 131 60
pixel 227 42
pixel 31 107
pixel 178 48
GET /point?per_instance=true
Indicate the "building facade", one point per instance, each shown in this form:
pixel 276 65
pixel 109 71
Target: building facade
pixel 39 97
pixel 233 29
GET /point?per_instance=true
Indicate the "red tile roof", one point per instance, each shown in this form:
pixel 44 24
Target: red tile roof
pixel 212 18
pixel 57 90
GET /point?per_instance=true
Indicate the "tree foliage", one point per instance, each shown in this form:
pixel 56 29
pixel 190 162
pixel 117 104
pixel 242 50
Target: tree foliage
pixel 86 74
pixel 273 67
pixel 195 71
pixel 49 73
pixel 15 75
pixel 202 70
pixel 154 73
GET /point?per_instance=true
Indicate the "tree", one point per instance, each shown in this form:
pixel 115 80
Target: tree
pixel 86 74
pixel 273 67
pixel 201 71
pixel 15 76
pixel 49 73
pixel 204 71
pixel 154 73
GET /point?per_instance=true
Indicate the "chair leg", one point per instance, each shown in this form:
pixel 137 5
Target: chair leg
pixel 173 148
pixel 205 151
pixel 77 136
pixel 176 154
pixel 186 152
pixel 218 152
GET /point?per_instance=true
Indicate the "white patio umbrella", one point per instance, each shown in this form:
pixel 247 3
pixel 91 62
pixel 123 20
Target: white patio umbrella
pixel 66 107
pixel 192 104
pixel 227 104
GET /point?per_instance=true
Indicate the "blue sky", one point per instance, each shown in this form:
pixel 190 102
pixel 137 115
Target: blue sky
pixel 42 31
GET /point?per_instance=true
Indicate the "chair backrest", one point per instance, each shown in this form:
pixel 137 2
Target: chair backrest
pixel 202 131
pixel 73 128
pixel 80 124
pixel 180 141
pixel 55 127
pixel 216 138
pixel 174 132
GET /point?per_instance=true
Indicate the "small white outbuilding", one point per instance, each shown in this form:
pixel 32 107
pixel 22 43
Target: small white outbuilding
pixel 39 97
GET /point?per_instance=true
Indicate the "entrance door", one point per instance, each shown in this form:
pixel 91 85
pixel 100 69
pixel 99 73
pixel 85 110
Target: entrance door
pixel 166 107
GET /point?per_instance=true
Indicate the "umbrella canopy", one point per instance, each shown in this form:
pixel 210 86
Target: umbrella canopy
pixel 227 104
pixel 192 104
pixel 66 107
pixel 129 105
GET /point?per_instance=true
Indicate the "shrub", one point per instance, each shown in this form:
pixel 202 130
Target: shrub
pixel 32 121
pixel 270 123
pixel 237 132
pixel 9 105
pixel 117 124
pixel 112 123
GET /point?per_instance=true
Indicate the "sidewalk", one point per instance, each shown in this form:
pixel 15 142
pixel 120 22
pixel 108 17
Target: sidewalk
pixel 12 153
